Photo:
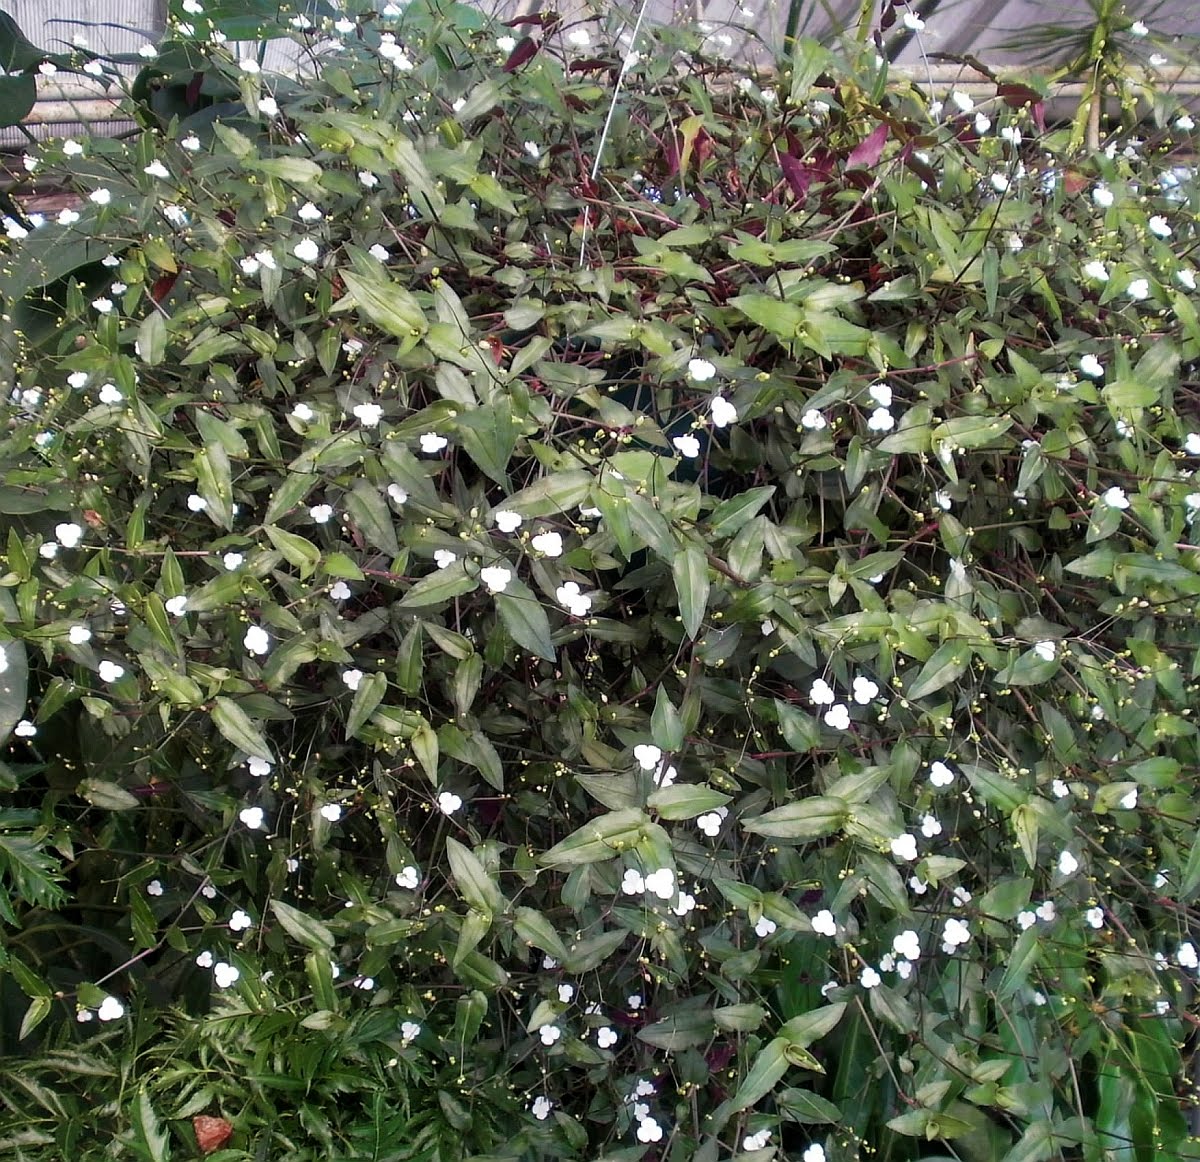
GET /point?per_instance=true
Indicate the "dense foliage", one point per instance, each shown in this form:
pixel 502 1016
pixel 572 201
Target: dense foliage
pixel 537 626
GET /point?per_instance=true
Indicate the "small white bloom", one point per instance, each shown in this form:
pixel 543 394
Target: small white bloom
pixel 955 932
pixel 710 822
pixel 1094 917
pixel 25 729
pixel 225 975
pixel 321 513
pixel 549 1034
pixel 257 641
pixel 821 693
pixel 68 535
pixel 865 690
pixel 409 1031
pixel 1096 270
pixel 1159 226
pixel 917 886
pixel 764 927
pixel 1046 911
pixel 506 521
pixel 569 596
pixel 1091 366
pixel 352 678
pixel 1068 865
pixel 67 217
pixel 648 1130
pixel 1138 289
pixel 176 606
pixel 191 143
pixel 332 812
pixel 156 169
pixel 111 672
pixel 701 370
pixel 431 443
pixel 495 578
pixel 648 755
pixel 1129 800
pixel 548 544
pixel 1186 279
pixel 913 22
pixel 881 420
pixel 661 883
pixel 258 766
pixel 110 1009
pixel 408 877
pixel 1115 498
pixel 1060 789
pixel 814 1153
pixel 448 802
pixel 723 412
pixel 1185 123
pixel 962 101
pixel 367 179
pixel 907 944
pixel 506 43
pixel 838 716
pixel 72 148
pixel 270 108
pixel 444 558
pixel 249 66
pixel 340 591
pixel 232 561
pixel 1026 920
pixel 102 306
pixel 759 1141
pixel 905 847
pixel 379 253
pixel 1046 650
pixel 541 1107
pixel 633 883
pixel 1011 134
pixel 1102 196
pixel 684 904
pixel 687 446
pixel 579 38
pixel 205 959
pixel 77 635
pixel 606 1037
pixel 396 494
pixel 870 978
pixel 368 414
pixel 267 259
pixel 1138 28
pixel 308 212
pixel 196 502
pixel 533 149
pixel 307 250
pixel 1187 956
pixel 824 923
pixel 253 818
pixel 240 921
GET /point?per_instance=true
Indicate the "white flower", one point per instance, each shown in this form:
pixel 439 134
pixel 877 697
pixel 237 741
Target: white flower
pixel 448 802
pixel 1060 789
pixel 432 443
pixel 917 886
pixel 352 678
pixel 661 883
pixel 68 535
pixel 340 591
pixel 240 921
pixel 270 107
pixel 723 412
pixel 396 494
pixel 1187 955
pixel 408 877
pixel 379 253
pixel 1068 865
pixel 307 250
pixel 541 1107
pixel 225 974
pixel 881 420
pixel 444 558
pixel 1046 650
pixel 176 606
pixel 1026 920
pixel 332 812
pixel 205 959
pixel 1115 498
pixel 881 393
pixel 258 766
pixel 665 776
pixel 1159 226
pixel 506 43
pixel 495 577
pixel 1046 911
pixel 865 691
pixel 814 1153
pixel 77 379
pixel 533 149
pixel 1138 28
pixel 907 944
pixel 1011 134
pixel 191 143
pixel 905 847
pixel 232 561
pixel 838 716
pixel 506 521
pixel 156 169
pixel 549 1034
pixel 701 370
pixel 77 635
pixel 930 826
pixel 648 755
pixel 824 923
pixel 569 596
pixel 102 306
pixel 1091 366
pixel 1094 917
pixel 72 148
pixel 1102 196
pixel 956 932
pixel 913 22
pixel 25 729
pixel 870 978
pixel 111 672
pixel 68 217
pixel 367 179
pixel 196 503
pixel 1129 800
pixel 368 414
pixel 633 883
pixel 257 641
pixel 110 394
pixel 764 927
pixel 606 1037
pixel 710 822
pixel 267 259
pixel 321 513
pixel 110 1009
pixel 249 66
pixel 253 818
pixel 963 101
pixel 1186 278
pixel 101 196
pixel 409 1031
pixel 548 544
pixel 684 904
pixel 308 212
pixel 813 420
pixel 687 446
pixel 1096 270
pixel 579 38
pixel 821 693
pixel 649 1130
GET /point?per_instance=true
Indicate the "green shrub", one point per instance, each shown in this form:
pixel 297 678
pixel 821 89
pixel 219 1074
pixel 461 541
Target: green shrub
pixel 530 636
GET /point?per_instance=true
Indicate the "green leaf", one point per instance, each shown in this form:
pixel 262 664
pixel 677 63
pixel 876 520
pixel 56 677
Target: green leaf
pixel 388 305
pixel 995 788
pixel 799 1105
pixel 597 840
pixel 297 171
pixel 812 1026
pixel 302 927
pixel 690 570
pixel 295 549
pixel 14 679
pixel 440 586
pixel 810 818
pixel 366 506
pixel 109 796
pixel 149 1132
pixel 946 664
pixel 769 1066
pixel 666 727
pixel 152 339
pixel 214 482
pixel 525 619
pixel 686 800
pixel 730 515
pixel 474 884
pixel 235 724
pixel 684 1030
pixel 532 927
pixel 369 694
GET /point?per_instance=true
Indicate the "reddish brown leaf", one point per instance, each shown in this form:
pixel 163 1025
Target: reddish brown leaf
pixel 211 1133
pixel 868 151
pixel 1017 96
pixel 161 286
pixel 525 51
